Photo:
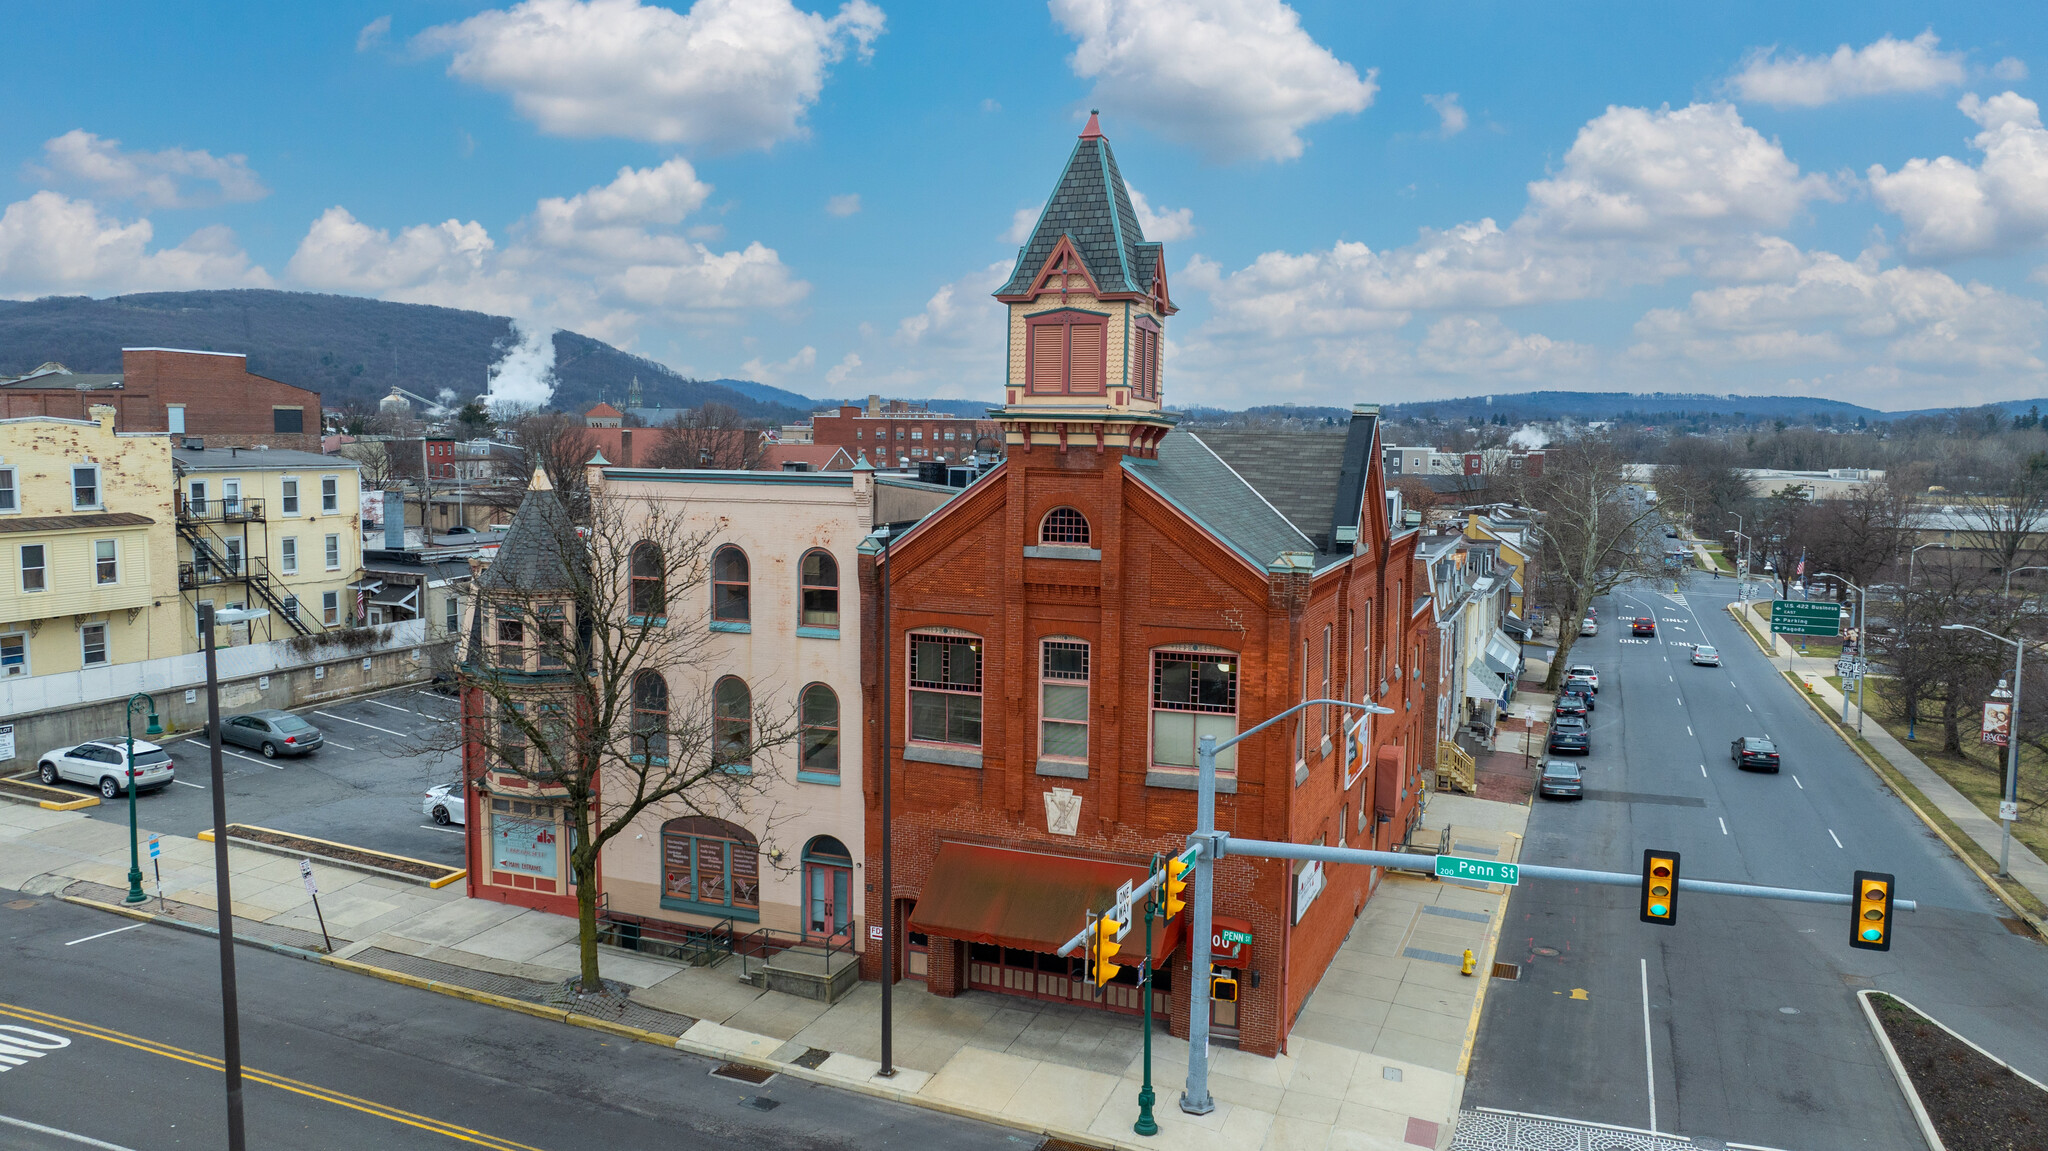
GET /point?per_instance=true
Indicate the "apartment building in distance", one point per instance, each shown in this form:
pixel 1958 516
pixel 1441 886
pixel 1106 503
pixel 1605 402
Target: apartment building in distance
pixel 176 390
pixel 887 432
pixel 87 545
pixel 275 529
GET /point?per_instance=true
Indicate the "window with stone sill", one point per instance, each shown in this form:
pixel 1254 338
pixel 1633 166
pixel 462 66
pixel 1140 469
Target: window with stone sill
pixel 945 689
pixel 1194 693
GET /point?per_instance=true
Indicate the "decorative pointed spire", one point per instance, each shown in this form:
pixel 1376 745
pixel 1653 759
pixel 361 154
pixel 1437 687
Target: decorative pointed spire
pixel 1094 129
pixel 540 481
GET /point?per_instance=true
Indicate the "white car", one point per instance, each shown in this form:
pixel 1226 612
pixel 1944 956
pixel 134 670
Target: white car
pixel 1584 671
pixel 1706 656
pixel 103 764
pixel 445 805
pixel 1588 627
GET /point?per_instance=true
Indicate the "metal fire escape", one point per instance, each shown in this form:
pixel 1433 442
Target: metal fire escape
pixel 209 527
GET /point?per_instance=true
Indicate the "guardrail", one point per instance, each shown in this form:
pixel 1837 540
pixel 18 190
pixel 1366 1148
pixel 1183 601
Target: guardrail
pixel 758 948
pixel 696 946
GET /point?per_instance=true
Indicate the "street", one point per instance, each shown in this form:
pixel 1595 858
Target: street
pixel 126 1020
pixel 1747 1006
pixel 363 787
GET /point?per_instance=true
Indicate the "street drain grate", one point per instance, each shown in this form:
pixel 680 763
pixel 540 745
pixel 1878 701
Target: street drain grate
pixel 1063 1145
pixel 812 1058
pixel 1507 971
pixel 743 1073
pixel 760 1103
pixel 2016 926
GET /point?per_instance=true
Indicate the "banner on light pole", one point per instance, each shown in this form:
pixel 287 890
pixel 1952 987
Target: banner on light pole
pixel 1998 722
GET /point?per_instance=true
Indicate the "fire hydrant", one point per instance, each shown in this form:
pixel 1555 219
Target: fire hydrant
pixel 1469 963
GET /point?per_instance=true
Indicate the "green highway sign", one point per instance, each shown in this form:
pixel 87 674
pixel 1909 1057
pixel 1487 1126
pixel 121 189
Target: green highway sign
pixel 1796 617
pixel 1478 870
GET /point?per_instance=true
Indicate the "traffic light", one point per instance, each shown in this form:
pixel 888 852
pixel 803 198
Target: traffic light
pixel 1102 946
pixel 1872 927
pixel 1176 884
pixel 1660 886
pixel 1222 987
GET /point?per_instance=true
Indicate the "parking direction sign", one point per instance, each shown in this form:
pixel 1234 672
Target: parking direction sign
pixel 156 847
pixel 1798 617
pixel 1478 870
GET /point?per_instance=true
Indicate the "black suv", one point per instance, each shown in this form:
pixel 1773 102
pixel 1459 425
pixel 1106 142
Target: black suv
pixel 1571 703
pixel 1569 734
pixel 1754 751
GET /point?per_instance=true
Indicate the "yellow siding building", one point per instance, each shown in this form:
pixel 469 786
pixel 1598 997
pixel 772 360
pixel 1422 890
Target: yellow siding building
pixel 87 545
pixel 269 529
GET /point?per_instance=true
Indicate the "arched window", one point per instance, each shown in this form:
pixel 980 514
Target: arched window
pixel 820 590
pixel 650 719
pixel 826 849
pixel 729 600
pixel 649 591
pixel 820 733
pixel 1064 526
pixel 712 864
pixel 732 713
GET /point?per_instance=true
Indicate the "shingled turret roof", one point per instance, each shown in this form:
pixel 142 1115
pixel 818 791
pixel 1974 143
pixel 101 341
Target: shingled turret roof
pixel 538 549
pixel 1091 207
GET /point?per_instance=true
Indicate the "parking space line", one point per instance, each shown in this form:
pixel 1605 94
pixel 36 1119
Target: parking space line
pixel 437 827
pixel 252 759
pixel 392 706
pixel 104 934
pixel 71 1136
pixel 360 723
pixel 187 783
pixel 342 746
pixel 1703 771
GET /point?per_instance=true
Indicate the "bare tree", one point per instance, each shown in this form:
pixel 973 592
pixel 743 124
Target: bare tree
pixel 379 470
pixel 556 444
pixel 712 436
pixel 1858 535
pixel 1593 538
pixel 580 690
pixel 1419 496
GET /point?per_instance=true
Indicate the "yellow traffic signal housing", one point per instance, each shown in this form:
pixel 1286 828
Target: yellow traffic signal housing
pixel 1872 904
pixel 1223 987
pixel 1103 945
pixel 1659 902
pixel 1176 884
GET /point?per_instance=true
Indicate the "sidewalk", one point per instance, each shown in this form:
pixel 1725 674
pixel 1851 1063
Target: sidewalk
pixel 2027 868
pixel 1376 1060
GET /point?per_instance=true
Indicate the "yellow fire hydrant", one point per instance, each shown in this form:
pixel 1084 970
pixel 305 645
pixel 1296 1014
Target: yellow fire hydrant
pixel 1469 962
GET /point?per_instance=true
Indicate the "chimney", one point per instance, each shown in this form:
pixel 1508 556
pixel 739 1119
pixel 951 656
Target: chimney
pixel 103 415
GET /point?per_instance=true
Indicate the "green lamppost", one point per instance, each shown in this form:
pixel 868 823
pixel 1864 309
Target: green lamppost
pixel 135 894
pixel 1146 1125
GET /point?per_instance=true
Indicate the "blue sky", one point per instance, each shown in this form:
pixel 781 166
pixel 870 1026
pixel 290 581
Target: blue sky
pixel 1359 202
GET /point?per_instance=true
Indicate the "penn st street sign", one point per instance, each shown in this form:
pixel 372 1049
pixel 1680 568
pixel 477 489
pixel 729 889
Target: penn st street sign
pixel 1797 617
pixel 1478 870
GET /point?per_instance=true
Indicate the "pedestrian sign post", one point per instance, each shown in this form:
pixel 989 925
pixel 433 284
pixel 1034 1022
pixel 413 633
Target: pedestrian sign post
pixel 1478 870
pixel 306 874
pixel 1795 617
pixel 156 853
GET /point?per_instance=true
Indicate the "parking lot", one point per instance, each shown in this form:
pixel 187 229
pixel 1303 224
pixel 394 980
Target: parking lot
pixel 363 787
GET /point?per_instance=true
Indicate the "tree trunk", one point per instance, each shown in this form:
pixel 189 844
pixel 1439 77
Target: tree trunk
pixel 584 864
pixel 1951 734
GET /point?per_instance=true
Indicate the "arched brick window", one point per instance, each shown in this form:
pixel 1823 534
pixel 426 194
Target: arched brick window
pixel 729 585
pixel 1064 526
pixel 1066 350
pixel 820 732
pixel 650 595
pixel 733 724
pixel 711 865
pixel 820 575
pixel 650 718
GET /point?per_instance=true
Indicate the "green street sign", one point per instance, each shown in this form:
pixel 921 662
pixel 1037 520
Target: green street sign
pixel 1797 617
pixel 1478 870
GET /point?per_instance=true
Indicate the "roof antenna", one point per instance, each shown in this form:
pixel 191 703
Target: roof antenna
pixel 1094 129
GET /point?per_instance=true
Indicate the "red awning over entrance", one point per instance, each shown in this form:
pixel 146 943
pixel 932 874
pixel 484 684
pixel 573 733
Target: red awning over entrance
pixel 1020 899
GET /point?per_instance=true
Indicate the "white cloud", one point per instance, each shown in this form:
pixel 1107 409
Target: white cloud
pixel 374 34
pixel 1021 223
pixel 728 73
pixel 164 179
pixel 837 374
pixel 953 346
pixel 1449 112
pixel 777 374
pixel 1883 66
pixel 1238 79
pixel 2010 70
pixel 1951 209
pixel 53 244
pixel 846 205
pixel 605 261
pixel 1481 345
pixel 1164 225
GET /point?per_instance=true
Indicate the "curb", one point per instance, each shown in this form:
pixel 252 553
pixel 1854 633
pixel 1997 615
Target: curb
pixel 205 835
pixel 1891 1056
pixel 68 801
pixel 1492 948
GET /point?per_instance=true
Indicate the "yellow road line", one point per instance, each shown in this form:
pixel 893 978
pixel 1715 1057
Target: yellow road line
pixel 267 1078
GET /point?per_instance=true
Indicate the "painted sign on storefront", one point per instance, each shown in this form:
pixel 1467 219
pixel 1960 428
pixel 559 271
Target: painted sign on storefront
pixel 1308 883
pixel 523 846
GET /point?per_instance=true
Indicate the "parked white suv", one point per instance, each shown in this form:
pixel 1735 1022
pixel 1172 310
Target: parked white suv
pixel 102 764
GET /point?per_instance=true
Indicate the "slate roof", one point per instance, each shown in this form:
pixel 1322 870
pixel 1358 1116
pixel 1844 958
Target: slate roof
pixel 1315 480
pixel 1197 481
pixel 537 550
pixel 1091 205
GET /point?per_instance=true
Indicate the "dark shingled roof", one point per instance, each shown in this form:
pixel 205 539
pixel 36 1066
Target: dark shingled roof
pixel 537 550
pixel 1091 205
pixel 75 523
pixel 1194 479
pixel 1315 479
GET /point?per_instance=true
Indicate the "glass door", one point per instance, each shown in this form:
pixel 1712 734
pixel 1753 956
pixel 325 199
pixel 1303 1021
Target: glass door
pixel 828 901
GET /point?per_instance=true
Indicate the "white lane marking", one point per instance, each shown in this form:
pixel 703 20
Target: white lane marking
pixel 342 746
pixel 392 706
pixel 1724 825
pixel 184 783
pixel 73 1136
pixel 1668 675
pixel 1801 786
pixel 1703 771
pixel 1688 729
pixel 360 723
pixel 1649 1053
pixel 436 827
pixel 104 934
pixel 1836 838
pixel 252 759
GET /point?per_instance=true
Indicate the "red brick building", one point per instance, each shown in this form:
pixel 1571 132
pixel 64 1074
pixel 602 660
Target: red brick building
pixel 212 395
pixel 885 434
pixel 1064 631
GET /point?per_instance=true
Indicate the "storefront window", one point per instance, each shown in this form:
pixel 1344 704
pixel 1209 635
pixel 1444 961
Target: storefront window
pixel 711 867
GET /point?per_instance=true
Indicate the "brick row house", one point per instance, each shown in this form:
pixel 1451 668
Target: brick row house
pixel 1063 633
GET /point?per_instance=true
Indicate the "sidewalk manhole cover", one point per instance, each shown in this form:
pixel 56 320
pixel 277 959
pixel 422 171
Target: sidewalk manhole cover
pixel 1507 971
pixel 760 1103
pixel 742 1073
pixel 1543 951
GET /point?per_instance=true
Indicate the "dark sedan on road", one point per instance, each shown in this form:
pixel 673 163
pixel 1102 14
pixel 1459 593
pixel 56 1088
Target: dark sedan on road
pixel 1643 625
pixel 1754 751
pixel 271 732
pixel 1561 779
pixel 1571 703
pixel 1569 733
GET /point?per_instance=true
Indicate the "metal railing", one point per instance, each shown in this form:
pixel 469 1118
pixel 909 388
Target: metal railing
pixel 758 949
pixel 696 946
pixel 224 509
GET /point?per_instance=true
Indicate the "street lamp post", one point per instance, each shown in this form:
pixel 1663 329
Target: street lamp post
pixel 2016 571
pixel 230 1013
pixel 1914 555
pixel 2008 807
pixel 135 894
